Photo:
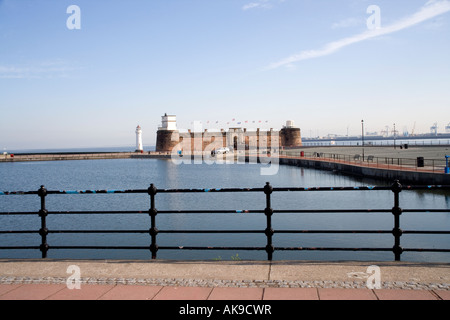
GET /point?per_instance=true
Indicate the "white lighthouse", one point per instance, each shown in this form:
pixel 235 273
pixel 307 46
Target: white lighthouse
pixel 139 139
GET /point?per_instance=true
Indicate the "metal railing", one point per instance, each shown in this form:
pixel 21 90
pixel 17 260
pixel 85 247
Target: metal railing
pixel 368 160
pixel 268 211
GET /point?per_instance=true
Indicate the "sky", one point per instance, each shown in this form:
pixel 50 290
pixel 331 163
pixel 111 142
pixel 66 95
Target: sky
pixel 87 77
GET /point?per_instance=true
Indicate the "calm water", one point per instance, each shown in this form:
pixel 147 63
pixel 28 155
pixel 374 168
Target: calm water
pixel 139 173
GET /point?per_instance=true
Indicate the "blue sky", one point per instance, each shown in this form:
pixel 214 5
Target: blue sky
pixel 312 61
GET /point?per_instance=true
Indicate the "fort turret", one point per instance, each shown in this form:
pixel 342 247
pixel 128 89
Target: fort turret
pixel 167 135
pixel 290 136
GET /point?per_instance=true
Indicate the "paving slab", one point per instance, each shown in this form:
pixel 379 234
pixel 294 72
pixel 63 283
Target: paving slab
pixel 5 288
pixel 183 293
pixel 442 294
pixel 291 294
pixel 32 292
pixel 127 292
pixel 86 292
pixel 345 294
pixel 395 294
pixel 236 294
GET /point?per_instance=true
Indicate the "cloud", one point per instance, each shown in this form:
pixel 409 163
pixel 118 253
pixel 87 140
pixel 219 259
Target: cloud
pixel 431 10
pixel 47 69
pixel 260 4
pixel 252 5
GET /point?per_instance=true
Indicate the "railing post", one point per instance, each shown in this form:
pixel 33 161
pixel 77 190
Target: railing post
pixel 153 212
pixel 42 193
pixel 397 211
pixel 268 212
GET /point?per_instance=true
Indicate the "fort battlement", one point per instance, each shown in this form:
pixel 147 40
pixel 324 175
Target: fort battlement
pixel 170 138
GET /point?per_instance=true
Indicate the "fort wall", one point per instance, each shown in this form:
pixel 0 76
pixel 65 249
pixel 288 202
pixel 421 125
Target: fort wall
pixel 234 138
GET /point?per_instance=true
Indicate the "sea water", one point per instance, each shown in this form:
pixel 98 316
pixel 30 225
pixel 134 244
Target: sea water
pixel 164 174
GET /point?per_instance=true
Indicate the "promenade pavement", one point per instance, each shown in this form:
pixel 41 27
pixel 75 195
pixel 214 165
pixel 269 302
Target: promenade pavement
pixel 413 151
pixel 221 280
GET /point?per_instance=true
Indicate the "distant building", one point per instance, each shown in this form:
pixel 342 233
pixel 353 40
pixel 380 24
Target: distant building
pixel 168 137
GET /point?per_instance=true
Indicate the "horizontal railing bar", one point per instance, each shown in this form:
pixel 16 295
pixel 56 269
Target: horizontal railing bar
pixel 100 247
pixel 210 248
pixel 95 191
pixel 425 232
pixel 228 248
pixel 229 231
pixel 18 213
pixel 229 211
pixel 18 231
pixel 100 212
pixel 209 211
pixel 329 249
pixel 425 210
pixel 159 247
pixel 333 231
pixel 159 231
pixel 332 211
pixel 210 231
pixel 20 247
pixel 9 193
pixel 98 231
pixel 425 250
pixel 202 190
pixel 356 188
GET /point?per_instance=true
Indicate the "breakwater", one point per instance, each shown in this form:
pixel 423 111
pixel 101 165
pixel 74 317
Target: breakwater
pixel 80 156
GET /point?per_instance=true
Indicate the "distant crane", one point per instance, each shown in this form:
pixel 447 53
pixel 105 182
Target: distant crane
pixel 405 131
pixel 413 129
pixel 434 128
pixel 385 132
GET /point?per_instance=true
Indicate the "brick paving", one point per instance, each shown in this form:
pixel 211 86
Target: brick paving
pixel 210 280
pixel 152 292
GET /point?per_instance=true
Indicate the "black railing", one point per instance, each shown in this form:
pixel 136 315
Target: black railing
pixel 268 190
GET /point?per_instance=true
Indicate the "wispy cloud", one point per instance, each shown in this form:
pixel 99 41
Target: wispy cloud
pixel 47 69
pixel 260 4
pixel 431 10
